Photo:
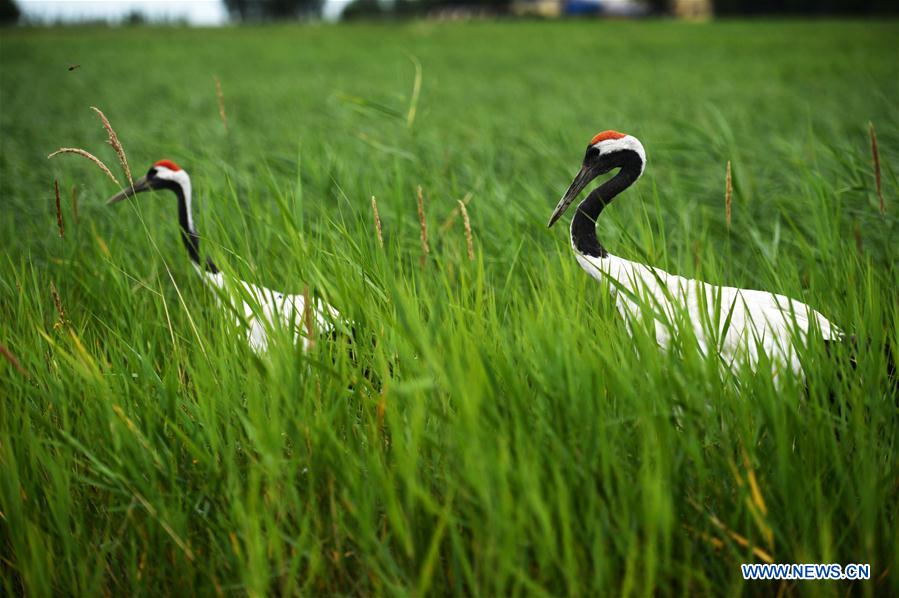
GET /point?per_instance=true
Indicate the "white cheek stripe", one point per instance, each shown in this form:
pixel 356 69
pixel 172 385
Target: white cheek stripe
pixel 184 180
pixel 181 177
pixel 625 143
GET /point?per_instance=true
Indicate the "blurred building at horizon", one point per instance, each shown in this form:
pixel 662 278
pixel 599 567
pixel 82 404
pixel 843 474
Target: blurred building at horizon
pixel 556 8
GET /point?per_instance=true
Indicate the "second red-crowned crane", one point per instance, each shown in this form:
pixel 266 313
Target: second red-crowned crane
pixel 739 324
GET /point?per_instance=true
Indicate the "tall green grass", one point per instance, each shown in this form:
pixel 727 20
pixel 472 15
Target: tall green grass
pixel 498 432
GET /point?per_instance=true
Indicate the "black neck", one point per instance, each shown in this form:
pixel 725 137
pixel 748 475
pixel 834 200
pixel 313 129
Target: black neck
pixel 583 225
pixel 188 234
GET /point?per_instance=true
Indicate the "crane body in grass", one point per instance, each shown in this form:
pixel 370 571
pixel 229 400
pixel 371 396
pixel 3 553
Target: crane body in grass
pixel 258 309
pixel 737 324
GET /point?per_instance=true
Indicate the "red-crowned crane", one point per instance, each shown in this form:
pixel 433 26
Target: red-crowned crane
pixel 267 308
pixel 736 323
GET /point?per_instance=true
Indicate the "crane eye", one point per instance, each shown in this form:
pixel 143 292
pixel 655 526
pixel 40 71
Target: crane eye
pixel 151 173
pixel 592 153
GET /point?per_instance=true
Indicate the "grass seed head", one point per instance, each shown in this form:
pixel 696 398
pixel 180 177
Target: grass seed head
pixel 62 322
pixel 469 243
pixel 728 195
pixel 374 209
pixel 89 156
pixel 116 145
pixel 451 219
pixel 59 223
pixel 425 247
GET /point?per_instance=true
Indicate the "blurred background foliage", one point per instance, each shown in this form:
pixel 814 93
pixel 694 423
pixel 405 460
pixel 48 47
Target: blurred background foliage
pixel 9 12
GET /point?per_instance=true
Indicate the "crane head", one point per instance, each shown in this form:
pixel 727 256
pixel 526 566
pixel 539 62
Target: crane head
pixel 164 174
pixel 606 151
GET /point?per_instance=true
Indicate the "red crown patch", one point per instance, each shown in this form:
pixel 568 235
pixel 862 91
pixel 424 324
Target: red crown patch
pixel 168 164
pixel 606 135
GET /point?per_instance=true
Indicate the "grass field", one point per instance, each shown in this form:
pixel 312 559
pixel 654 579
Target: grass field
pixel 502 434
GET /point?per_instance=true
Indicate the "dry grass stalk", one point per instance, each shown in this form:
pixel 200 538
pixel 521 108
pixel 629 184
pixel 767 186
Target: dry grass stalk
pixel 469 243
pixel 718 544
pixel 374 209
pixel 220 97
pixel 712 541
pixel 89 156
pixel 739 539
pixel 728 195
pixel 756 501
pixel 754 489
pixel 59 223
pixel 307 317
pixel 425 247
pixel 75 203
pixel 7 354
pixel 62 322
pixel 451 219
pixel 116 145
pixel 875 156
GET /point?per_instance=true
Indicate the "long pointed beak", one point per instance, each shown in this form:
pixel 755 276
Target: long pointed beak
pixel 583 177
pixel 140 185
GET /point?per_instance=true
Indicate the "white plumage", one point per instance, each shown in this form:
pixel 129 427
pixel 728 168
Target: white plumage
pixel 736 323
pixel 739 325
pixel 261 309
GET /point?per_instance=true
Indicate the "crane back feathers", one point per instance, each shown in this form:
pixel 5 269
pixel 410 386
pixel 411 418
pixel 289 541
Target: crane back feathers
pixel 735 323
pixel 261 310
